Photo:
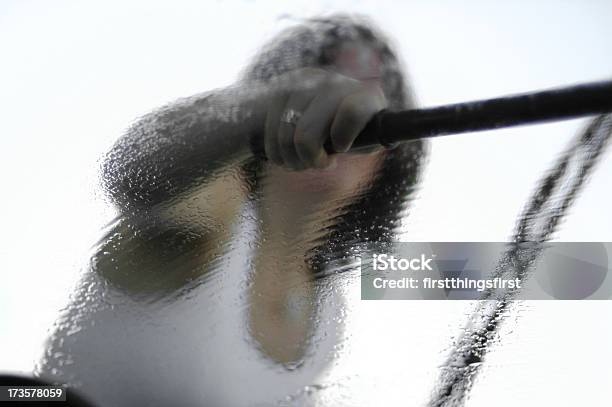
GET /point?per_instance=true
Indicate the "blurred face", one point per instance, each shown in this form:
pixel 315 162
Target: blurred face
pixel 359 61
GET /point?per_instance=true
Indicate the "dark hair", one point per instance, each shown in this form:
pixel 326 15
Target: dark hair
pixel 374 213
pixel 316 42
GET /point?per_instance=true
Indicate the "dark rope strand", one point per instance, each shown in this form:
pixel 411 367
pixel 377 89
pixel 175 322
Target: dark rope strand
pixel 464 362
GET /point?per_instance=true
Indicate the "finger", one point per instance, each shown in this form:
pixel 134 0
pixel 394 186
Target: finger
pixel 314 127
pixel 311 153
pixel 352 116
pixel 297 102
pixel 271 130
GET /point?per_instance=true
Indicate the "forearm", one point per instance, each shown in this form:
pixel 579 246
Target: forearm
pixel 179 146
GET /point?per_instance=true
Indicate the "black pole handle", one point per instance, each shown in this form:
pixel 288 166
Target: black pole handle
pixel 388 128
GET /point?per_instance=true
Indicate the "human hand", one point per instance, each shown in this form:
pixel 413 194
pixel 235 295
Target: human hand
pixel 311 105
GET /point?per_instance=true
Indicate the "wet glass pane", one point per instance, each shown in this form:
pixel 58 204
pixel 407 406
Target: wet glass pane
pixel 147 260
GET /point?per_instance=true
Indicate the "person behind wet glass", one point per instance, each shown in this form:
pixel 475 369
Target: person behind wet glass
pixel 324 79
pixel 172 178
